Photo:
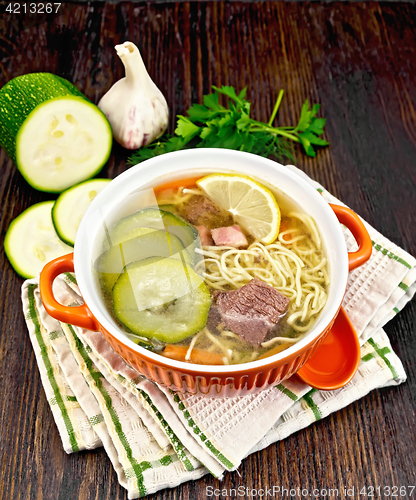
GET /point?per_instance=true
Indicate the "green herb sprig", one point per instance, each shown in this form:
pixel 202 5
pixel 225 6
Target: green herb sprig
pixel 211 125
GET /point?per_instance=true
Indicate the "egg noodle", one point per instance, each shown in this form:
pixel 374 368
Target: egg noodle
pixel 294 264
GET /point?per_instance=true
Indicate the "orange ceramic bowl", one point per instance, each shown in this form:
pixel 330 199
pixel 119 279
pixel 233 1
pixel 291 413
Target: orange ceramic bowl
pixel 177 375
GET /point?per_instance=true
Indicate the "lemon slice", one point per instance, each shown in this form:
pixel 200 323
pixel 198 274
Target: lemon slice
pixel 252 205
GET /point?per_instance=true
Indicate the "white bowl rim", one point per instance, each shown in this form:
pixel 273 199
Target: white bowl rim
pixel 82 275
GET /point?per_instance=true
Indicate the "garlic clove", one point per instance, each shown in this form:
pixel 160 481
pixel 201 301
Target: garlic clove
pixel 135 107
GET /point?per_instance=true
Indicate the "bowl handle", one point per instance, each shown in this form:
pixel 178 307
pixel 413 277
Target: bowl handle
pixel 78 316
pixel 352 221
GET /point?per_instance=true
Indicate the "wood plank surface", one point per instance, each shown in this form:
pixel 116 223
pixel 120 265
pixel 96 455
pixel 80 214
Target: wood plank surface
pixel 358 60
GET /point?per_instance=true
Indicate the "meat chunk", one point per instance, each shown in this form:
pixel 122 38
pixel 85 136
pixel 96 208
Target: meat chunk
pixel 231 236
pixel 201 211
pixel 252 311
pixel 214 317
pixel 205 236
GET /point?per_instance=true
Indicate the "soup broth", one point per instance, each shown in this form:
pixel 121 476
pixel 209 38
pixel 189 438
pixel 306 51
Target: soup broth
pixel 205 301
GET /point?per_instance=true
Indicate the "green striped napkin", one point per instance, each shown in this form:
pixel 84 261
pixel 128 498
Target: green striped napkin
pixel 158 439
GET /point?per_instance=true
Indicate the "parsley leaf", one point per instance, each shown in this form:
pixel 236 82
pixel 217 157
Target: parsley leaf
pixel 186 128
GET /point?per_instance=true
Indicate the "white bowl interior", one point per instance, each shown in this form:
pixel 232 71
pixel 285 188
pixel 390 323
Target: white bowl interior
pixel 199 162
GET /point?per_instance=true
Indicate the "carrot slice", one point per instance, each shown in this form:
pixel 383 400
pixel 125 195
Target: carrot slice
pixel 284 226
pixel 275 350
pixel 198 356
pixel 187 183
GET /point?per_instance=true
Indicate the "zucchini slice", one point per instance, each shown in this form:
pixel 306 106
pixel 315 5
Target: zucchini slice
pixel 155 218
pixel 110 264
pixel 52 132
pixel 71 205
pixel 168 208
pixel 31 240
pixel 165 300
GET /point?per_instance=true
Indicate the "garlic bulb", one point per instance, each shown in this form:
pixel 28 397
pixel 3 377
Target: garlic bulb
pixel 135 107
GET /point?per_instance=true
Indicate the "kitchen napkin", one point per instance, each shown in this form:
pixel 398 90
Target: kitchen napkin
pixel 156 438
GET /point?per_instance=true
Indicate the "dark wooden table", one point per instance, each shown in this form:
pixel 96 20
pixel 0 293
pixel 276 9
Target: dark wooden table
pixel 359 61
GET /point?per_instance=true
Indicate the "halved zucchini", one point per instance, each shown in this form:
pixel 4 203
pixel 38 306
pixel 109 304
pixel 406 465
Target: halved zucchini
pixel 53 133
